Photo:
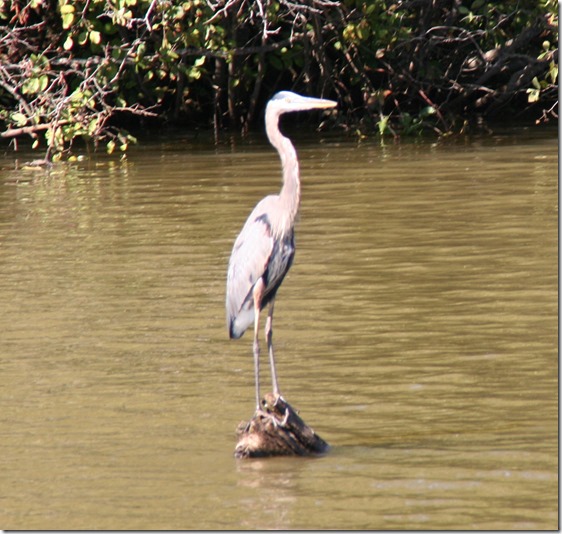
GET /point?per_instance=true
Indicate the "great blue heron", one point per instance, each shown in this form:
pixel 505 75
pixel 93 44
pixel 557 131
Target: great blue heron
pixel 264 249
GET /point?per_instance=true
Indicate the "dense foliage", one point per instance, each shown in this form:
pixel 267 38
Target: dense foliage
pixel 88 68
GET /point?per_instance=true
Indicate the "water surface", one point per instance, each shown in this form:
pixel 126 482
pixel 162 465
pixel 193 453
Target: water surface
pixel 416 332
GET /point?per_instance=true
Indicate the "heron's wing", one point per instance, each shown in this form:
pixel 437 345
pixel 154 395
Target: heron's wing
pixel 248 262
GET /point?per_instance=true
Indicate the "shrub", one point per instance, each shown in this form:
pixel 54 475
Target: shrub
pixel 87 69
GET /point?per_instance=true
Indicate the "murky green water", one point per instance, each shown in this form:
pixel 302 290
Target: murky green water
pixel 416 332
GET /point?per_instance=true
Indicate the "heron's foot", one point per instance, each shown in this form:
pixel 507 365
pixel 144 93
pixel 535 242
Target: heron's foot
pixel 276 429
pixel 276 409
pixel 273 410
pixel 272 401
pixel 257 421
pixel 274 418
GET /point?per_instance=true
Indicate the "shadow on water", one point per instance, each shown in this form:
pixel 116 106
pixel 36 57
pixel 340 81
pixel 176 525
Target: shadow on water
pixel 416 333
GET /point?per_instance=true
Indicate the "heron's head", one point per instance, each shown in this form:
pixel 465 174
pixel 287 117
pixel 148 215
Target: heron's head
pixel 286 101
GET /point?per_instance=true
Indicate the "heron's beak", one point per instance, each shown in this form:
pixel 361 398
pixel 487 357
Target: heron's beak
pixel 317 103
pixel 287 101
pixel 323 103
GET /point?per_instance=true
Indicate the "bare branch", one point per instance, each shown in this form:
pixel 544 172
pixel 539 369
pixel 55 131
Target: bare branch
pixel 29 130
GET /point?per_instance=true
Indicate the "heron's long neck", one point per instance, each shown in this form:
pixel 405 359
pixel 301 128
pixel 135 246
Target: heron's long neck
pixel 290 194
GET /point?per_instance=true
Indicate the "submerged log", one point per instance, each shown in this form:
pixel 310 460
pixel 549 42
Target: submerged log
pixel 277 430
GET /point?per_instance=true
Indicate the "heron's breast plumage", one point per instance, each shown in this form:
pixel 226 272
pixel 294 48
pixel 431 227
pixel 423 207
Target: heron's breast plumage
pixel 264 249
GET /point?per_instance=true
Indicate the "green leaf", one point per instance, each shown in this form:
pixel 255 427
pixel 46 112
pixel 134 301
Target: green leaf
pixel 427 111
pixel 68 44
pixel 66 8
pixel 19 118
pixel 534 95
pixel 536 83
pixel 92 126
pixel 82 38
pixel 195 74
pixel 31 86
pixel 67 20
pixel 95 37
pixel 43 83
pixel 76 95
pixel 382 124
pixel 553 72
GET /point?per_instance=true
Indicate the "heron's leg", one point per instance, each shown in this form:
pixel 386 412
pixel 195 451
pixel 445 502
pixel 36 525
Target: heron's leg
pixel 257 294
pixel 269 337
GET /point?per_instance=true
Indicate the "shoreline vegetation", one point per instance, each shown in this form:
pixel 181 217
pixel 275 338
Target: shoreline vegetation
pixel 96 70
